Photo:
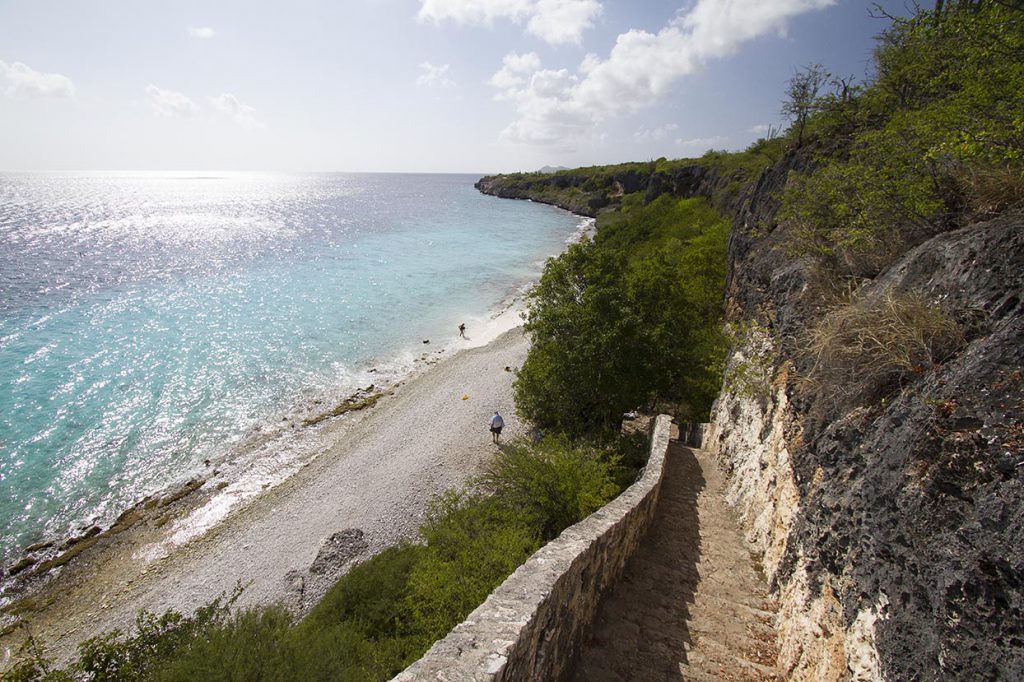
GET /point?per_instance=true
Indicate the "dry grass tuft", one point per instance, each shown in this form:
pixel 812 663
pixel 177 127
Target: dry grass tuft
pixel 865 346
pixel 993 190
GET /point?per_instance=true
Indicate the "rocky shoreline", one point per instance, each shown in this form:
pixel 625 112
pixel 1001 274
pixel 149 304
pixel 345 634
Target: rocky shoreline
pixel 27 574
pixel 367 489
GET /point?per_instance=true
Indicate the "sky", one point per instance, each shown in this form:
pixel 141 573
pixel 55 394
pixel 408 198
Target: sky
pixel 404 85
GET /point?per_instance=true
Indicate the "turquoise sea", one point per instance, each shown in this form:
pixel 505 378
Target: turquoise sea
pixel 151 321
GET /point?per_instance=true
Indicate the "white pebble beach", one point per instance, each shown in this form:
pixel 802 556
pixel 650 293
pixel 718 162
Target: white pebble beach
pixel 376 473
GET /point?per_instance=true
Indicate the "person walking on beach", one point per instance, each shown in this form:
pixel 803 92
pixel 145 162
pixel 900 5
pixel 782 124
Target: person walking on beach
pixel 462 330
pixel 497 423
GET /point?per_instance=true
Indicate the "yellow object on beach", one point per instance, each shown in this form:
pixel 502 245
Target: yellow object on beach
pixel 465 397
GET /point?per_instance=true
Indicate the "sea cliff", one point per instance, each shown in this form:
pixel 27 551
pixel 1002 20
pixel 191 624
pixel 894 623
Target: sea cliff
pixel 882 495
pixel 890 527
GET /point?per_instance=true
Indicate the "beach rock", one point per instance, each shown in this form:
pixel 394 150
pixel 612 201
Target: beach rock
pixel 71 542
pixel 39 546
pixel 191 486
pixel 21 565
pixel 339 549
pixel 295 591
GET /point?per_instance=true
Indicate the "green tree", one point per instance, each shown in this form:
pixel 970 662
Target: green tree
pixel 802 96
pixel 628 319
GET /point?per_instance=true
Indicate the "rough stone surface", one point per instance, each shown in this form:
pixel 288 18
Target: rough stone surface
pixel 533 626
pixel 892 531
pixel 690 603
pixel 339 549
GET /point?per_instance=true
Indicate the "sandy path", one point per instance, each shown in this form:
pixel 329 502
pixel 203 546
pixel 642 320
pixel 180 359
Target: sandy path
pixel 376 477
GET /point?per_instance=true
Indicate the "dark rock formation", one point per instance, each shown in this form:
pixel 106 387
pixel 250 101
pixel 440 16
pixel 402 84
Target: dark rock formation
pixel 338 550
pixel 891 523
pixel 910 508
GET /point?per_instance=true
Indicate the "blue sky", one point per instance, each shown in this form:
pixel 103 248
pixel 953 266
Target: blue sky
pixel 403 85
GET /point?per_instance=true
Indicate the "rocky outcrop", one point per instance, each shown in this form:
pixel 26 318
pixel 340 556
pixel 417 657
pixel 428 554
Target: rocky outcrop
pixel 587 191
pixel 889 521
pixel 891 529
pixel 336 556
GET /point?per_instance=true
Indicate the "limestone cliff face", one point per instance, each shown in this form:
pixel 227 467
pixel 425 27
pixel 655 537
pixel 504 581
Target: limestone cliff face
pixel 890 527
pixel 891 531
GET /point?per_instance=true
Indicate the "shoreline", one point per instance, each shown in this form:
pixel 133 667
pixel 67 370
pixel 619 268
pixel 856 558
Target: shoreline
pixel 154 543
pixel 265 454
pixel 372 480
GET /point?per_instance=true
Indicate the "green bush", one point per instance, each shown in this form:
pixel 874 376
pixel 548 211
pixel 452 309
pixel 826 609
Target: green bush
pixel 554 483
pixel 473 543
pixel 915 152
pixel 384 613
pixel 250 645
pixel 628 319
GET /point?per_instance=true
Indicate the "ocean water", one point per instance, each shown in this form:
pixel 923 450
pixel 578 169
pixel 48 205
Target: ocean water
pixel 151 321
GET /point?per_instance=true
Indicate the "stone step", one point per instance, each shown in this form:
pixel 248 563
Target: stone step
pixel 691 603
pixel 720 603
pixel 708 652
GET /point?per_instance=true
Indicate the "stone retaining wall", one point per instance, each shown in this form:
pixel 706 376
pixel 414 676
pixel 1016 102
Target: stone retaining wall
pixel 691 434
pixel 533 626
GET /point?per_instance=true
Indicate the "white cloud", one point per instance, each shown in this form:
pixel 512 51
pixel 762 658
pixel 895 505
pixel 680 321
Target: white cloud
pixel 654 134
pixel 515 68
pixel 473 11
pixel 25 81
pixel 703 143
pixel 640 69
pixel 554 21
pixel 759 129
pixel 205 32
pixel 548 112
pixel 432 76
pixel 562 21
pixel 245 115
pixel 169 102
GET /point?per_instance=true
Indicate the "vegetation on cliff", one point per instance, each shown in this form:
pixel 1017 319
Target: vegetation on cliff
pixel 629 319
pixel 875 283
pixel 934 141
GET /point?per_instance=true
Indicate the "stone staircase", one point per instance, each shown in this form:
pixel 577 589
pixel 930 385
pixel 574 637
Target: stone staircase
pixel 691 604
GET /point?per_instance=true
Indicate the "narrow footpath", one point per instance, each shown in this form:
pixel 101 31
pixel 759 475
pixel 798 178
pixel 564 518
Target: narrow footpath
pixel 690 605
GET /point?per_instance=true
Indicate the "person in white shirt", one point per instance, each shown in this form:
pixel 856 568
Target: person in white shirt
pixel 497 423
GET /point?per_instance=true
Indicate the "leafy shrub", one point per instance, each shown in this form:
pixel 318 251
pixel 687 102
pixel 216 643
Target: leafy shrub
pixel 554 483
pixel 249 645
pixel 384 613
pixel 920 144
pixel 473 543
pixel 631 317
